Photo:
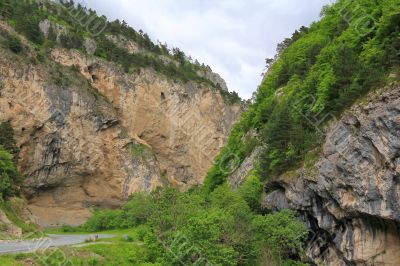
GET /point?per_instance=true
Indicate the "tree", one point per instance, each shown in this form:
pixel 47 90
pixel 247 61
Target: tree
pixel 269 62
pixel 71 40
pixel 281 234
pixel 14 44
pixel 178 55
pixel 29 26
pixel 251 191
pixel 9 177
pixel 7 138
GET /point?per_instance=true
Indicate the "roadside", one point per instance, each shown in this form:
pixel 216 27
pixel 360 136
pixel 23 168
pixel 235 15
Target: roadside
pixel 116 247
pixel 47 242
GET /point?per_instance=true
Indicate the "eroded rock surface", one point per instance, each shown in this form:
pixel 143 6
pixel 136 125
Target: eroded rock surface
pixel 91 134
pixel 351 202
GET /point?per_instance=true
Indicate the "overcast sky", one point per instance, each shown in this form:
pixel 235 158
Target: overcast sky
pixel 232 36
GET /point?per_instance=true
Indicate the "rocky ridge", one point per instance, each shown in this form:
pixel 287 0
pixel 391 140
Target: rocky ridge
pixel 348 193
pixel 91 134
pixel 350 196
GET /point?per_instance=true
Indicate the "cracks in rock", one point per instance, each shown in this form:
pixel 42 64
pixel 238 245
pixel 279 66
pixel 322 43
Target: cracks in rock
pixel 378 156
pixel 49 169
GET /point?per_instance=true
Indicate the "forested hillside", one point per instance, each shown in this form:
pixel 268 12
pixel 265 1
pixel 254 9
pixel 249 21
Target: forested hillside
pixel 318 72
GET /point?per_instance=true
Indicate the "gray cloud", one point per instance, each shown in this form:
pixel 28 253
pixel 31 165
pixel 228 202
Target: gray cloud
pixel 232 36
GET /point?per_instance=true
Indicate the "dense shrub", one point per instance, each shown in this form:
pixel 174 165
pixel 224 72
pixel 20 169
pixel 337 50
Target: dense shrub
pixel 251 191
pixel 7 139
pixel 71 40
pixel 105 220
pixel 14 44
pixel 281 233
pixel 219 228
pixel 9 177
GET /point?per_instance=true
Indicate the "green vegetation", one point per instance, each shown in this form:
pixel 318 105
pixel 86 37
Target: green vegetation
pixel 230 97
pixel 7 138
pixel 10 179
pixel 222 228
pixel 168 227
pixel 14 44
pixel 251 191
pixel 139 149
pixel 14 209
pixel 9 261
pixel 184 71
pixel 77 21
pixel 318 72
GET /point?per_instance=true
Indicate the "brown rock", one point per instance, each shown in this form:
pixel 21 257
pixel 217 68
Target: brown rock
pixel 79 141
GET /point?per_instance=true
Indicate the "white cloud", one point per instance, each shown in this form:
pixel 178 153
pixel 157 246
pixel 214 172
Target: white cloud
pixel 232 36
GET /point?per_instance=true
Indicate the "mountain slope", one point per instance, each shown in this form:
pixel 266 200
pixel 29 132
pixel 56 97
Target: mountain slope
pixel 319 154
pixel 318 73
pixel 100 115
pixel 350 196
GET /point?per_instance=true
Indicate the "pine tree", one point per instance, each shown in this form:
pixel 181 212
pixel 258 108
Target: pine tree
pixel 7 139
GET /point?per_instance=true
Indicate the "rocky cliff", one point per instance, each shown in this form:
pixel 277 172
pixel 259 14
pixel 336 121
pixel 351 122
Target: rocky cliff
pixel 91 134
pixel 350 196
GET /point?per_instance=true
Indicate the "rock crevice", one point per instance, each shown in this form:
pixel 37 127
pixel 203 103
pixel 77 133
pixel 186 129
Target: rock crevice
pixel 352 204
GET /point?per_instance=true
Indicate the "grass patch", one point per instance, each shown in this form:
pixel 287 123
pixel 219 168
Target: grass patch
pixel 11 209
pixel 8 260
pixel 138 149
pixel 120 254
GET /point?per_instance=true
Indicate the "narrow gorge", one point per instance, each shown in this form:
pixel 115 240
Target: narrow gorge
pixel 103 131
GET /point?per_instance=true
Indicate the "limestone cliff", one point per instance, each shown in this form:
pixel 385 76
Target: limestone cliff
pixel 350 197
pixel 90 134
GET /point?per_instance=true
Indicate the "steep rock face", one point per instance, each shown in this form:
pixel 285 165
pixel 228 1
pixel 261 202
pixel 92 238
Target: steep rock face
pixel 351 198
pixel 185 124
pixel 93 138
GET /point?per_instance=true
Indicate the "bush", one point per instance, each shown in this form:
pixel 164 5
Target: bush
pixel 219 227
pixel 104 220
pixel 7 138
pixel 9 177
pixel 282 233
pixel 29 26
pixel 71 40
pixel 251 191
pixel 69 229
pixel 137 210
pixel 14 44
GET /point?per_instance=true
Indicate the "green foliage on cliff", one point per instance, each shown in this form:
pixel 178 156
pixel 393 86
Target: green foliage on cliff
pixel 9 176
pixel 72 23
pixel 251 191
pixel 132 62
pixel 15 210
pixel 17 12
pixel 221 229
pixel 317 74
pixel 14 44
pixel 7 139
